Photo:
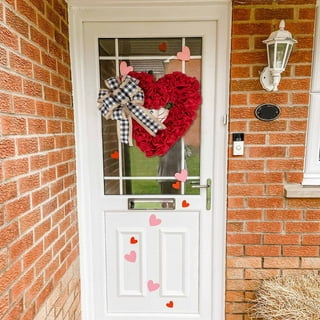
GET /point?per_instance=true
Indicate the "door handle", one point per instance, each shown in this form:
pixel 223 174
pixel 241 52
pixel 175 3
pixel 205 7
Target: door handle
pixel 208 191
pixel 199 186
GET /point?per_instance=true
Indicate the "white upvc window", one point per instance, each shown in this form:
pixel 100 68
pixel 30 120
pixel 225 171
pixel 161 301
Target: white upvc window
pixel 312 162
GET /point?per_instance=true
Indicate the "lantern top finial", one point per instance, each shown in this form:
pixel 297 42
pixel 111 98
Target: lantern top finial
pixel 282 25
pixel 280 35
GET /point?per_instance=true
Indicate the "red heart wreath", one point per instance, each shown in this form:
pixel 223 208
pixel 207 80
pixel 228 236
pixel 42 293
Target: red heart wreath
pixel 178 89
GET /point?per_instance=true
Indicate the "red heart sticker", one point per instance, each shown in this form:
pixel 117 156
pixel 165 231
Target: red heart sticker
pixel 170 304
pixel 185 204
pixel 179 91
pixel 176 185
pixel 115 154
pixel 163 46
pixel 133 240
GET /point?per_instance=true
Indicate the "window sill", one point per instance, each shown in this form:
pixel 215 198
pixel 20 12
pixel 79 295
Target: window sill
pixel 299 191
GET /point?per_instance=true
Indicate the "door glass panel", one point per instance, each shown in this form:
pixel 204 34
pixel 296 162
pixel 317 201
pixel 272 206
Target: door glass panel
pixel 149 46
pixel 172 65
pixel 110 145
pixel 107 70
pixel 195 46
pixel 136 164
pixel 192 136
pixel 107 47
pixel 126 168
pixel 141 186
pixel 111 186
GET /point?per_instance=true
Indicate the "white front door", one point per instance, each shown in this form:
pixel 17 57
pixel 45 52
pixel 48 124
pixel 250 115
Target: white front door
pixel 152 227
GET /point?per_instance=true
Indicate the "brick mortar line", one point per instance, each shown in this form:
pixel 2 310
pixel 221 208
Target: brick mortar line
pixel 48 309
pixel 41 50
pixel 16 178
pixel 15 11
pixel 36 243
pixel 51 279
pixel 38 117
pixel 39 82
pixel 39 206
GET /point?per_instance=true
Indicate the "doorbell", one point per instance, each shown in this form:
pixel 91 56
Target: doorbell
pixel 238 144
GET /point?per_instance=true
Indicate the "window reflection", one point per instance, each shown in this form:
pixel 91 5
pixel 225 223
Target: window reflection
pixel 149 46
pixel 169 164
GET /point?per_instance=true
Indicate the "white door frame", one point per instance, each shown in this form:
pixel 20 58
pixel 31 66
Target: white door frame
pixel 82 11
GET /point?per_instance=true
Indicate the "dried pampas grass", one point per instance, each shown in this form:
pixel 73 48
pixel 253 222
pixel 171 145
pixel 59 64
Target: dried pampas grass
pixel 294 297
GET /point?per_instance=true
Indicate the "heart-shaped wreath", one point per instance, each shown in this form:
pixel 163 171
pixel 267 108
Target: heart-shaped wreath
pixel 182 94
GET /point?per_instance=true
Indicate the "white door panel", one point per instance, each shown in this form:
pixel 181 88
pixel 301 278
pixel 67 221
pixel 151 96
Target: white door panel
pixel 163 276
pixel 150 265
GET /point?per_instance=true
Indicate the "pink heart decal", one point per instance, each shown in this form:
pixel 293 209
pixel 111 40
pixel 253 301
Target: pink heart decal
pixel 184 55
pixel 131 257
pixel 152 286
pixel 124 68
pixel 182 176
pixel 154 221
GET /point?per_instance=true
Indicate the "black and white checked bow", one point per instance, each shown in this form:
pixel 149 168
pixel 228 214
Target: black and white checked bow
pixel 122 101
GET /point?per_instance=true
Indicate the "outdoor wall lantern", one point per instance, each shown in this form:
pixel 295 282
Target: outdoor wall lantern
pixel 279 46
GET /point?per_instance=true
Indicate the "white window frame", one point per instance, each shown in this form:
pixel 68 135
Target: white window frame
pixel 312 162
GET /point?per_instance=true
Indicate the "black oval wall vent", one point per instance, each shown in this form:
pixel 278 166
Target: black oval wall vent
pixel 267 112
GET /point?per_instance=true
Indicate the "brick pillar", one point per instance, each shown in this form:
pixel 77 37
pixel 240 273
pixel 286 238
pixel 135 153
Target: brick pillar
pixel 268 234
pixel 38 220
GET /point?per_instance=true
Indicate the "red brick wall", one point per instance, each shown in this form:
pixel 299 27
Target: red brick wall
pixel 268 234
pixel 38 222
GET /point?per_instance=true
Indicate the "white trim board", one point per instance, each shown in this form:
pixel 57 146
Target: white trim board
pixel 312 163
pixel 125 3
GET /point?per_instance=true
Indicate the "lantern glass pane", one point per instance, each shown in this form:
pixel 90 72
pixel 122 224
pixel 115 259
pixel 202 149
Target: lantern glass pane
pixel 271 55
pixel 280 55
pixel 287 55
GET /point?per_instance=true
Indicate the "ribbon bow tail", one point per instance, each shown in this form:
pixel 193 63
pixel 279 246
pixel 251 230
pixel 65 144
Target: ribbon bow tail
pixel 146 119
pixel 106 103
pixel 124 126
